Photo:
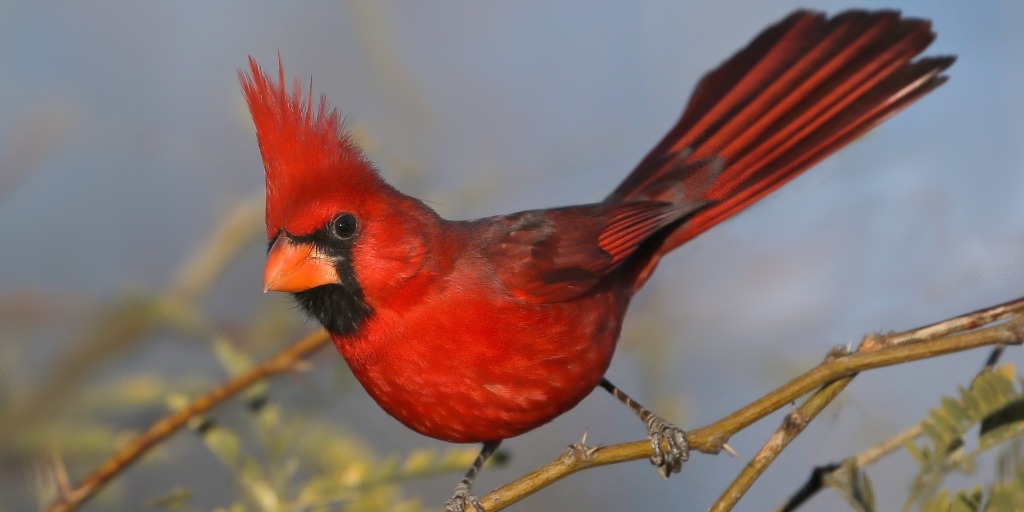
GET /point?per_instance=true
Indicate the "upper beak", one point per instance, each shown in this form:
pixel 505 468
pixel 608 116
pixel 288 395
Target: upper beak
pixel 296 267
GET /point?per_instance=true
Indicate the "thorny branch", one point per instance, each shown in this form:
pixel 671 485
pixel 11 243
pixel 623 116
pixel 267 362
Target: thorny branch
pixel 998 325
pixel 818 478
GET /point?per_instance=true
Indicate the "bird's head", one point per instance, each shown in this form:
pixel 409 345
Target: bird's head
pixel 330 216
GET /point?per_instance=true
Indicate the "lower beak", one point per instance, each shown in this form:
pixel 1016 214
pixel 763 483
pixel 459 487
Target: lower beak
pixel 296 267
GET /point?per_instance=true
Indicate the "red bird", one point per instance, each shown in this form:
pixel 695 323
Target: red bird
pixel 477 331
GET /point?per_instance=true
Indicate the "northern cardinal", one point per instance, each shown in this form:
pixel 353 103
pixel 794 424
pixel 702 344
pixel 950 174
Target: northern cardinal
pixel 477 331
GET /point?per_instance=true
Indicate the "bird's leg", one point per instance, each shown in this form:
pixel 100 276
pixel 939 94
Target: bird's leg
pixel 658 431
pixel 463 493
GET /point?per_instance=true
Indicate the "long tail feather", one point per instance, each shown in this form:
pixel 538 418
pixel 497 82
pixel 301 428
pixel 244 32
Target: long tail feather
pixel 801 90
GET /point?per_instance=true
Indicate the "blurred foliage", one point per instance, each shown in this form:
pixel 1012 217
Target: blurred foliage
pixel 994 404
pixel 288 462
pixel 992 408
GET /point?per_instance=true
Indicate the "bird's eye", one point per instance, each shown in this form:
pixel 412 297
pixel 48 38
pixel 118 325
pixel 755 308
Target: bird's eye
pixel 344 226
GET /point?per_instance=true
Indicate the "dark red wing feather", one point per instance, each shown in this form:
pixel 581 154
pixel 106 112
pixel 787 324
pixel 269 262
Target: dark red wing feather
pixel 559 254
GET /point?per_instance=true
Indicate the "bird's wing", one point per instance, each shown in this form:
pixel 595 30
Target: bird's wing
pixel 558 254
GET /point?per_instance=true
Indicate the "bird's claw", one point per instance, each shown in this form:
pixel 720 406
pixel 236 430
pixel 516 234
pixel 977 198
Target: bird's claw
pixel 671 461
pixel 462 497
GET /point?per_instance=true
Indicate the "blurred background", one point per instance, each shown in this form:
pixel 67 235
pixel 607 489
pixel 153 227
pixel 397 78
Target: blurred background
pixel 125 147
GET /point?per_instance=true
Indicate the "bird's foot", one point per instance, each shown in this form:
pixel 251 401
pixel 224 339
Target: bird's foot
pixel 463 496
pixel 660 431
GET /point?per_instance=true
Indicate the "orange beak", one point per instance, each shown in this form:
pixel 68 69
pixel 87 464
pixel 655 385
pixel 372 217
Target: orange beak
pixel 293 267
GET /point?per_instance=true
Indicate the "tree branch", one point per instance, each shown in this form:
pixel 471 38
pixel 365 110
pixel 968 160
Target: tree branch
pixel 817 480
pixel 282 362
pixel 831 376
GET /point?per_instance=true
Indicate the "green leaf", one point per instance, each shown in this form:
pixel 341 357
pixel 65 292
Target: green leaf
pixel 996 404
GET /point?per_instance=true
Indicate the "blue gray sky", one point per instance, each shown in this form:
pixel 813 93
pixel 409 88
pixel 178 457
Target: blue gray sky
pixel 128 137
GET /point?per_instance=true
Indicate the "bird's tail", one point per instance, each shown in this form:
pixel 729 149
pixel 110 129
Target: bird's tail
pixel 798 92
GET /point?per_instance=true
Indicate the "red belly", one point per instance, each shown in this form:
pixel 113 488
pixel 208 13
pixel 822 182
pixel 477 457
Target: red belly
pixel 497 370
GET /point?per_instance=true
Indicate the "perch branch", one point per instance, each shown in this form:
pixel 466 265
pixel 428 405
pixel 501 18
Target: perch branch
pixel 817 480
pixel 954 335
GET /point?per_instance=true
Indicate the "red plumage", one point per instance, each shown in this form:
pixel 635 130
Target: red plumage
pixel 310 162
pixel 476 331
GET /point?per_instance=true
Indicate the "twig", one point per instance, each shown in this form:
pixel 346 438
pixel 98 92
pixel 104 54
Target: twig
pixel 797 421
pixel 960 323
pixel 281 362
pixel 792 426
pixel 817 480
pixel 940 339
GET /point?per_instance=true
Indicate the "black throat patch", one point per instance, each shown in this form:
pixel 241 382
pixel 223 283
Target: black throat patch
pixel 340 307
